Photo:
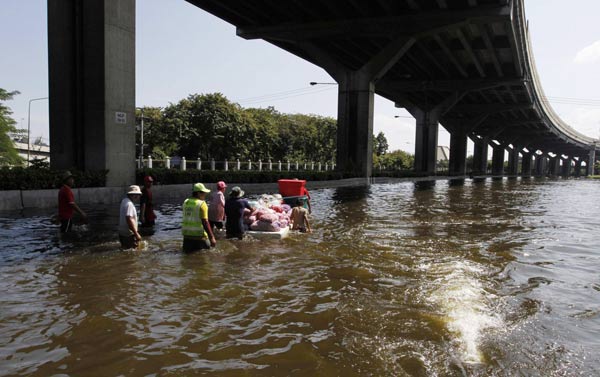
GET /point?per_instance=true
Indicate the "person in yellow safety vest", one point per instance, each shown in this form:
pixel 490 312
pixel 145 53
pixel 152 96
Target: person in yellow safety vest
pixel 196 230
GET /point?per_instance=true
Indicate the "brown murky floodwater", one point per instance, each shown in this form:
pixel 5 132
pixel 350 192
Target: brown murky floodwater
pixel 493 278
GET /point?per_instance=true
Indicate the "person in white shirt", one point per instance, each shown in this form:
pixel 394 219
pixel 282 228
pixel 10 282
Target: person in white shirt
pixel 128 219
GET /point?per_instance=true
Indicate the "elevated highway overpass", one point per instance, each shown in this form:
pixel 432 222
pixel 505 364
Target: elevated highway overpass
pixel 464 64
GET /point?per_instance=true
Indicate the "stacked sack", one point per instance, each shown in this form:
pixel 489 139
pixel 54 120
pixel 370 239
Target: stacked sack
pixel 269 214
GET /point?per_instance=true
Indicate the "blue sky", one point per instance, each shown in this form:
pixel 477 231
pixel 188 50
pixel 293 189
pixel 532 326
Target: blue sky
pixel 182 49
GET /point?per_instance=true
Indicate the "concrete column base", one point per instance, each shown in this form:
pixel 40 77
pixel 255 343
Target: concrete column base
pixel 426 141
pixel 355 124
pixel 526 164
pixel 91 65
pixel 458 152
pixel 480 156
pixel 498 160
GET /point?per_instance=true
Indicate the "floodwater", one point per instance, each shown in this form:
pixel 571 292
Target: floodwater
pixel 492 278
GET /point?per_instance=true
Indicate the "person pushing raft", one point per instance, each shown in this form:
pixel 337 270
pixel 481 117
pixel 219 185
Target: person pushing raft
pixel 299 217
pixel 197 233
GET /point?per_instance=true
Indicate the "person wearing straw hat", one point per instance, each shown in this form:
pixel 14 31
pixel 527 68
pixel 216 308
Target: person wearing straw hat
pixel 196 230
pixel 234 212
pixel 67 205
pixel 128 219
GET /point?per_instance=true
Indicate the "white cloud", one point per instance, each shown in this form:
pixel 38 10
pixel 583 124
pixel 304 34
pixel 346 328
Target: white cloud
pixel 589 54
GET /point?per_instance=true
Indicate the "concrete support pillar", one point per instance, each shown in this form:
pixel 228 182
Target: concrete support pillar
pixel 554 166
pixel 513 160
pixel 566 168
pixel 426 141
pixel 458 152
pixel 498 160
pixel 355 123
pixel 480 156
pixel 591 161
pixel 526 164
pixel 91 66
pixel 578 165
pixel 541 163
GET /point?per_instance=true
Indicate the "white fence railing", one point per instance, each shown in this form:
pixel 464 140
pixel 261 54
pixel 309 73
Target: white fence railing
pixel 236 165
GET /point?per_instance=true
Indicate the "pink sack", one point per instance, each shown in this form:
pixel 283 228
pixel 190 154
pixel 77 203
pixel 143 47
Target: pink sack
pixel 268 217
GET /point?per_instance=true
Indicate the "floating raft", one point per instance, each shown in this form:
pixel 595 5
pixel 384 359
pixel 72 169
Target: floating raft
pixel 283 233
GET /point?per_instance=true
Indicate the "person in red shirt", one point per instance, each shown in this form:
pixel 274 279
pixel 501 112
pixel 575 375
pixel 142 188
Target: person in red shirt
pixel 307 194
pixel 146 206
pixel 67 205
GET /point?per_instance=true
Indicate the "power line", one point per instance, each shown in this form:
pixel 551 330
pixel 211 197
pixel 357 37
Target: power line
pixel 280 96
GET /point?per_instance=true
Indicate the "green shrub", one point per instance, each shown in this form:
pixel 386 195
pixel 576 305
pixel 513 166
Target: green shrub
pixel 36 178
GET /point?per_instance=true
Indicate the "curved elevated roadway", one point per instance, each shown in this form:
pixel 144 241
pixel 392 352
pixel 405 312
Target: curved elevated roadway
pixel 466 64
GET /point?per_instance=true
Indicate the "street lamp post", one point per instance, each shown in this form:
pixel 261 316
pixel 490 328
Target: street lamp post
pixel 313 83
pixel 29 126
pixel 142 138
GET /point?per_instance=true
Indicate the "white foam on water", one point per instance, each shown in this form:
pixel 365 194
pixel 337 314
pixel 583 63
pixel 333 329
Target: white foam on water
pixel 461 296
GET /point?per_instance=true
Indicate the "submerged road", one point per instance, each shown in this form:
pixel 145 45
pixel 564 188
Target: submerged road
pixel 489 278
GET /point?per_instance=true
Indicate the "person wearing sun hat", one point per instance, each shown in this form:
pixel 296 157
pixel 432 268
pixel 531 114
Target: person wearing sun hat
pixel 234 212
pixel 128 219
pixel 66 204
pixel 196 230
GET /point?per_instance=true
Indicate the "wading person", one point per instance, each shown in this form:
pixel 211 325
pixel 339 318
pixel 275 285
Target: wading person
pixel 299 217
pixel 216 209
pixel 196 230
pixel 146 204
pixel 234 212
pixel 67 205
pixel 128 219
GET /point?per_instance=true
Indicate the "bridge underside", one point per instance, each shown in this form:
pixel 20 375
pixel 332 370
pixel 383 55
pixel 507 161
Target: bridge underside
pixel 465 64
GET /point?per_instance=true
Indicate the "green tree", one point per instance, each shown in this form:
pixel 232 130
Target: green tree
pixel 395 160
pixel 156 141
pixel 264 127
pixel 380 144
pixel 210 126
pixel 8 153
